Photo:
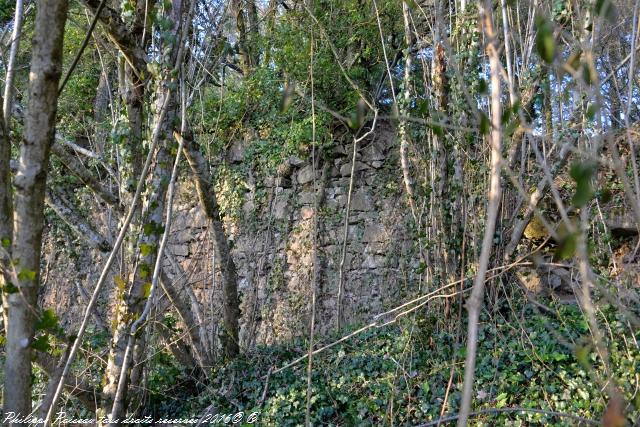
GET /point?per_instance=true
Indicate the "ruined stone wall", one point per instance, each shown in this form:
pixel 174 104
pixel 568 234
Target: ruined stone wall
pixel 273 246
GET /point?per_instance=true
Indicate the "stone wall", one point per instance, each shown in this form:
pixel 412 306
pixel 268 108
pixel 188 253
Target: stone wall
pixel 273 245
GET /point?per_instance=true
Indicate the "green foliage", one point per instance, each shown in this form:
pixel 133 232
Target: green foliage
pixel 75 105
pixel 357 382
pixel 48 320
pixel 7 10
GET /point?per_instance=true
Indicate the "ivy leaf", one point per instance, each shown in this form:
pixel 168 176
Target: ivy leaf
pixel 545 43
pixel 6 242
pixel 41 343
pixel 26 274
pixel 149 228
pixel 48 320
pixel 10 288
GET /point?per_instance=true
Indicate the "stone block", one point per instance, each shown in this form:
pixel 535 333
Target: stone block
pixel 345 169
pixel 374 233
pixel 360 201
pixel 180 250
pixel 305 175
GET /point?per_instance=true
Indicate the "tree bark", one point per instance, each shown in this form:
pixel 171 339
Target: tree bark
pixel 30 182
pixel 7 105
pixel 207 196
pixel 132 303
pixel 474 304
pixel 6 213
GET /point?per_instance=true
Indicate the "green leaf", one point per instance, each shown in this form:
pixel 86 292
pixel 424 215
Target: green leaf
pixel 10 288
pixel 149 228
pixel 506 115
pixel 26 274
pixel 356 121
pixel 146 249
pixel 41 343
pixel 501 400
pixel 146 290
pixel 425 387
pixel 144 270
pixel 412 4
pixel 545 43
pixel 605 196
pixel 574 59
pixel 48 320
pixel 582 356
pixel 6 242
pixel 566 247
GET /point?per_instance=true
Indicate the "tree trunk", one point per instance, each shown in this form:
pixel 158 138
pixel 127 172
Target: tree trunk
pixel 131 303
pixel 207 195
pixel 6 220
pixel 30 182
pixel 11 65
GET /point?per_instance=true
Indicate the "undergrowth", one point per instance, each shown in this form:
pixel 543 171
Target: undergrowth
pixel 400 374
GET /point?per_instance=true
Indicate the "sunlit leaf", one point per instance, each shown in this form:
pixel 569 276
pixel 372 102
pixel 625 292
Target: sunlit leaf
pixel 26 274
pixel 146 249
pixel 146 290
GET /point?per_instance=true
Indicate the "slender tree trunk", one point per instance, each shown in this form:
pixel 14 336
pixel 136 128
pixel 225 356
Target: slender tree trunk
pixel 207 195
pixel 474 304
pixel 7 105
pixel 30 182
pixel 132 302
pixel 6 216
